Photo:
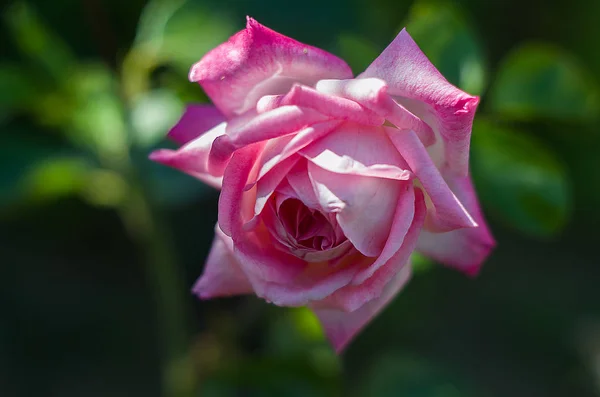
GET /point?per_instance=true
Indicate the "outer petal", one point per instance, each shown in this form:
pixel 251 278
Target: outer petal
pixel 446 212
pixel 340 326
pixel 258 61
pixel 463 249
pixel 192 158
pixel 222 275
pixel 363 205
pixel 358 150
pixel 196 119
pixel 411 75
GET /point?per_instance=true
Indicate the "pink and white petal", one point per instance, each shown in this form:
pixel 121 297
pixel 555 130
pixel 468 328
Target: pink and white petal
pixel 271 180
pixel 196 120
pixel 222 275
pixel 252 128
pixel 372 94
pixel 341 326
pixel 445 211
pixel 258 61
pixel 193 157
pixel 362 205
pixel 352 297
pixel 278 149
pixel 463 249
pixel 404 217
pixel 301 185
pixel 334 106
pixel 409 74
pixel 357 149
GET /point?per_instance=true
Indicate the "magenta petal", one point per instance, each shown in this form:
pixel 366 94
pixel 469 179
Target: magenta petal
pixel 445 211
pixel 258 61
pixel 222 275
pixel 192 158
pixel 463 249
pixel 409 74
pixel 196 119
pixel 341 326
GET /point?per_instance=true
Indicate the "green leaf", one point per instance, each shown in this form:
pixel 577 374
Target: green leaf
pixel 35 40
pixel 152 116
pixel 16 89
pixel 520 179
pixel 444 34
pixel 540 81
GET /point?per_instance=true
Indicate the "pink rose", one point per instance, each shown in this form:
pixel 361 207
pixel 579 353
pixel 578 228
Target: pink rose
pixel 329 182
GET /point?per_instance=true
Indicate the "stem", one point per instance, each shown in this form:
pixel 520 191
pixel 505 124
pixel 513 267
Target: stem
pixel 144 226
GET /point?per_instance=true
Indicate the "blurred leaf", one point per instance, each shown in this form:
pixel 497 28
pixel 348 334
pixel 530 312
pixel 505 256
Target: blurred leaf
pixel 541 81
pixel 153 115
pixel 420 263
pixel 16 89
pixel 33 171
pixel 520 179
pixel 356 51
pixel 35 40
pixel 97 119
pixel 395 375
pixel 177 33
pixel 444 34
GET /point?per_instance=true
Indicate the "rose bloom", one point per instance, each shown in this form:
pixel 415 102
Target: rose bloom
pixel 329 182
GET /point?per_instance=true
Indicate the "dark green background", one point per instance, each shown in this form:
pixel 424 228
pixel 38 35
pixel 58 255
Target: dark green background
pixel 81 313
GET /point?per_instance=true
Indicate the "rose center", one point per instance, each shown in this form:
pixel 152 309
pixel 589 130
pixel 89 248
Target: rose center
pixel 309 228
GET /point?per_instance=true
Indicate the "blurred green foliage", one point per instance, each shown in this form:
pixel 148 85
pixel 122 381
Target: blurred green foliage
pixel 96 304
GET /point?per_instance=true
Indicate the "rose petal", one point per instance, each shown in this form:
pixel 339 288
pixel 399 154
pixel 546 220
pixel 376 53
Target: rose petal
pixel 341 327
pixel 372 94
pixel 358 150
pixel 463 249
pixel 333 106
pixel 445 211
pixel 363 205
pixel 222 275
pixel 409 74
pixel 196 120
pixel 192 158
pixel 352 297
pixel 258 61
pixel 252 128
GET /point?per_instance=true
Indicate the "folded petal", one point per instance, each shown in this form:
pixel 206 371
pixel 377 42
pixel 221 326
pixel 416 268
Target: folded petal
pixel 258 61
pixel 252 128
pixel 193 157
pixel 196 120
pixel 357 149
pixel 355 295
pixel 463 249
pixel 372 94
pixel 333 106
pixel 222 275
pixel 449 111
pixel 445 211
pixel 341 326
pixel 363 205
